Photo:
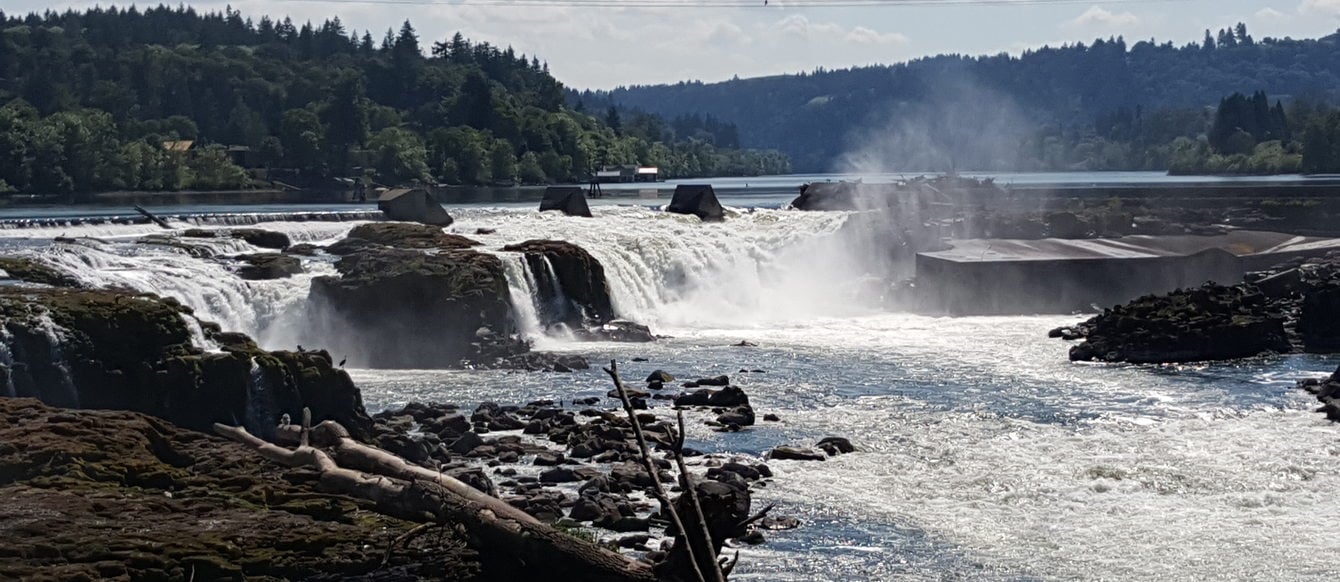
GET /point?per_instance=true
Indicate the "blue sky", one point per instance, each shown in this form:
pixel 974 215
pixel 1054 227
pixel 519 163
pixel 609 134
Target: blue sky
pixel 590 47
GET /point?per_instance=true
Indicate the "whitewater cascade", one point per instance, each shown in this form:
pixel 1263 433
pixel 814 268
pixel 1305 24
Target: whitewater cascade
pixel 666 270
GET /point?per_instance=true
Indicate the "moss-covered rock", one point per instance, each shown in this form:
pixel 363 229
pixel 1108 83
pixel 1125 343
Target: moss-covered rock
pixel 30 270
pixel 266 239
pixel 121 495
pixel 411 296
pixel 578 278
pixel 264 266
pixel 119 350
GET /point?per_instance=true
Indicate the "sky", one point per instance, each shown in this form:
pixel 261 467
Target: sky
pixel 605 47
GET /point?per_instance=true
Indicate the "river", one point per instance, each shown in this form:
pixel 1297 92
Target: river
pixel 984 453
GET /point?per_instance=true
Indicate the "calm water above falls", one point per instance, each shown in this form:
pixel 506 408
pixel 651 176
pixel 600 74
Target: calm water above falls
pixel 985 454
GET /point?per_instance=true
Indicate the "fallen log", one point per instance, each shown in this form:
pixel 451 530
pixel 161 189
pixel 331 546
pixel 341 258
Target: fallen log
pixel 506 541
pixel 156 220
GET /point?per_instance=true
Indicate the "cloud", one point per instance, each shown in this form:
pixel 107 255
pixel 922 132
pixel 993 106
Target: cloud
pixel 1269 13
pixel 866 36
pixel 1322 7
pixel 1097 16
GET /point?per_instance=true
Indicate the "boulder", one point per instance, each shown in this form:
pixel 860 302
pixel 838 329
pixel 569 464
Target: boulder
pixel 407 235
pixel 408 308
pixel 571 281
pixel 118 350
pixel 264 266
pixel 697 199
pixel 413 205
pixel 257 237
pixel 1319 319
pixel 31 270
pixel 1211 322
pixel 835 446
pixel 789 453
pixel 725 397
pixel 569 200
pixel 619 330
pixel 660 376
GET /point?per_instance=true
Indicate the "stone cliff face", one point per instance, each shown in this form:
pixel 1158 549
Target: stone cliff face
pixel 576 286
pixel 410 296
pixel 118 350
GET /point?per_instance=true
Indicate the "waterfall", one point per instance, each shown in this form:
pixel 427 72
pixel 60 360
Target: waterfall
pixel 675 272
pixel 521 288
pixel 260 409
pixel 55 338
pixel 7 360
pixel 198 338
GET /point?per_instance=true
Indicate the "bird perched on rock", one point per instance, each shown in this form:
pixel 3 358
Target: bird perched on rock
pixel 284 420
pixel 346 358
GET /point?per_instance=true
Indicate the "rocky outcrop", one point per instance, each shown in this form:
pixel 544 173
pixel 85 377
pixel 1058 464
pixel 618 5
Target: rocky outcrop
pixel 30 270
pixel 266 239
pixel 572 281
pixel 264 266
pixel 413 205
pixel 102 495
pixel 414 297
pixel 1290 308
pixel 1211 322
pixel 119 350
pixel 1327 390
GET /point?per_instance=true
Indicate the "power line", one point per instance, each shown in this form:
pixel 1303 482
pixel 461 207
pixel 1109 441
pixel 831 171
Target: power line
pixel 699 4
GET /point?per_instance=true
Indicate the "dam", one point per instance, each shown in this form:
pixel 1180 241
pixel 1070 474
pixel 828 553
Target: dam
pixel 1011 276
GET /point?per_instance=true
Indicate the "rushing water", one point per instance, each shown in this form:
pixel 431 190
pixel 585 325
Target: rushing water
pixel 984 453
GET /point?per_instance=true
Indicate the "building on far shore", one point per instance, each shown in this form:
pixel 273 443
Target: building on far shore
pixel 627 173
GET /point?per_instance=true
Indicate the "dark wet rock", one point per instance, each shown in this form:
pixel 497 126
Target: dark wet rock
pixel 413 450
pixel 549 459
pixel 32 270
pixel 660 376
pixel 726 397
pixel 407 235
pixel 747 472
pixel 407 308
pixel 577 294
pixel 257 237
pixel 739 416
pixel 617 331
pixel 835 446
pixel 588 401
pixel 633 541
pixel 1211 322
pixel 753 538
pixel 789 453
pixel 778 523
pixel 1327 391
pixel 770 417
pixel 745 344
pixel 303 250
pixel 108 484
pixel 119 350
pixel 631 392
pixel 625 524
pixel 568 474
pixel 596 507
pixel 474 477
pixel 413 205
pixel 199 251
pixel 1319 319
pixel 696 199
pixel 717 381
pixel 466 443
pixel 264 266
pixel 350 245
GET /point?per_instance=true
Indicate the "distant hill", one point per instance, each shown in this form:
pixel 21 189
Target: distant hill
pixel 986 112
pixel 88 100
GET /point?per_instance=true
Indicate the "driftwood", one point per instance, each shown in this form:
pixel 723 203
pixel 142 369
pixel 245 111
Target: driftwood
pixel 150 216
pixel 507 539
pixel 696 543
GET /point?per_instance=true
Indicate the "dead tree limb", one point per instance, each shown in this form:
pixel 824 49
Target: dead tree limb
pixel 150 216
pixel 667 507
pixel 523 546
pixel 705 543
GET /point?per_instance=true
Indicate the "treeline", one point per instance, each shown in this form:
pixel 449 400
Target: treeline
pixel 1044 109
pixel 84 92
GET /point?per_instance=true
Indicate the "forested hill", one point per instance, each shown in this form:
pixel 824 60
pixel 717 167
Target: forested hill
pixel 88 100
pixel 979 111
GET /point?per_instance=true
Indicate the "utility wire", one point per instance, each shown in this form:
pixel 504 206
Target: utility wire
pixel 700 4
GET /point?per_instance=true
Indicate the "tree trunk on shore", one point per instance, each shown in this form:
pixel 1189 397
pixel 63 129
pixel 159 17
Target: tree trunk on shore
pixel 507 539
